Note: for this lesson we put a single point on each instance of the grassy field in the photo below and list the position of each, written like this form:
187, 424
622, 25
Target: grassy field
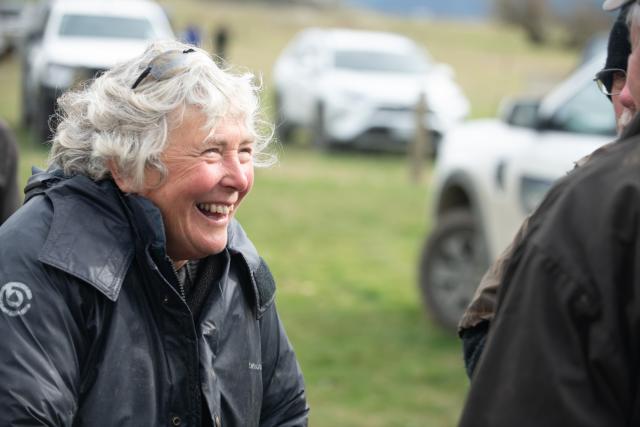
342, 232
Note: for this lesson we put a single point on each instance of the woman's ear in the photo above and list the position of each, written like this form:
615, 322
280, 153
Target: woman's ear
122, 182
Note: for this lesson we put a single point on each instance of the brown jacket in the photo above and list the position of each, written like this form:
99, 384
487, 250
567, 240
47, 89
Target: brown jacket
483, 305
564, 346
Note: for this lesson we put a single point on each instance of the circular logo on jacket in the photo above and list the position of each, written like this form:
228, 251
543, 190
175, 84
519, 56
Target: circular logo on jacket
15, 298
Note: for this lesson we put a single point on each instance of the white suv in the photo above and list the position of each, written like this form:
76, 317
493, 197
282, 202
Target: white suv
361, 88
72, 40
490, 174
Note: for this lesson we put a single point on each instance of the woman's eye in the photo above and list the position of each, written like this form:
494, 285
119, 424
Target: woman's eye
211, 152
246, 153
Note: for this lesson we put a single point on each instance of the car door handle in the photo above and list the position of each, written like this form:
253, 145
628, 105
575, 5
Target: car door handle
499, 174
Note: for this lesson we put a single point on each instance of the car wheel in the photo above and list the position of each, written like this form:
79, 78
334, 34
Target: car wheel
42, 120
284, 128
319, 136
26, 103
453, 261
26, 117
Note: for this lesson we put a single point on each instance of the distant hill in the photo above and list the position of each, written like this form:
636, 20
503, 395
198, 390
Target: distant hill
464, 9
477, 9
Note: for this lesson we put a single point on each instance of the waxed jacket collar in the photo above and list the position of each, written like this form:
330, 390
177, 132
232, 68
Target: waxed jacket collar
262, 282
94, 225
89, 237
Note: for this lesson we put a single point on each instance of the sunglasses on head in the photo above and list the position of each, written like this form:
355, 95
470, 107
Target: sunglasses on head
165, 65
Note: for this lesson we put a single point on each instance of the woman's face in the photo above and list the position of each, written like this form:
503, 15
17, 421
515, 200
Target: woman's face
209, 173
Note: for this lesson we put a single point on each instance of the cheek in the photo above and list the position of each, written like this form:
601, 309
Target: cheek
617, 106
197, 178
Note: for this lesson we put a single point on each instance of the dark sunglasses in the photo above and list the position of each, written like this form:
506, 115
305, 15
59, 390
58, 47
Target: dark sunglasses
165, 65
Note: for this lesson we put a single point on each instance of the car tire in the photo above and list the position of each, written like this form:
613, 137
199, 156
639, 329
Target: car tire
319, 137
26, 116
284, 129
453, 261
26, 104
43, 123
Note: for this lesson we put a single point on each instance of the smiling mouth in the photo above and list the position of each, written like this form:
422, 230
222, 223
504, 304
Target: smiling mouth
214, 208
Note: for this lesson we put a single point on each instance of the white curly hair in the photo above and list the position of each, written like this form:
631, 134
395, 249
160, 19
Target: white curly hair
106, 123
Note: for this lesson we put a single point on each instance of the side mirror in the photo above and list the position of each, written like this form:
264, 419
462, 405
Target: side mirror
33, 36
521, 113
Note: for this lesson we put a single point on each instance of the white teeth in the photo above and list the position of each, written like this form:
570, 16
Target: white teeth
215, 208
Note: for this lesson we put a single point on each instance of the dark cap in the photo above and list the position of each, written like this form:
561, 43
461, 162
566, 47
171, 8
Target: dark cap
618, 47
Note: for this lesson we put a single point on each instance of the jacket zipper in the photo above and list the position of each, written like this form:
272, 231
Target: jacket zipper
180, 284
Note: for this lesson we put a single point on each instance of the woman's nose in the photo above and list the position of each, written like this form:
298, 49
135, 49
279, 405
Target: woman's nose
236, 173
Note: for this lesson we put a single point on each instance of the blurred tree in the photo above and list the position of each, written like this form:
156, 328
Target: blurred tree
583, 24
573, 24
318, 3
528, 14
535, 14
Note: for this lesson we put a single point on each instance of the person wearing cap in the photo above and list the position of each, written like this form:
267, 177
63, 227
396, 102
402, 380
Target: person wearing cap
476, 320
564, 345
129, 294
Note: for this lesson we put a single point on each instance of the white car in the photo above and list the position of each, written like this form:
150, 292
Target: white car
10, 24
361, 88
72, 40
490, 174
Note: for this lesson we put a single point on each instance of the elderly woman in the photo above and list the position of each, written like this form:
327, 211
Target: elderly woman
129, 295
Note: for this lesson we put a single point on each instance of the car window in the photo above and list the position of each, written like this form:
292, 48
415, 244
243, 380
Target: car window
9, 12
105, 26
586, 112
380, 61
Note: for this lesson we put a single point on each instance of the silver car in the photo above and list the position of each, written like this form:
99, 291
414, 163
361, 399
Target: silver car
492, 173
69, 41
361, 88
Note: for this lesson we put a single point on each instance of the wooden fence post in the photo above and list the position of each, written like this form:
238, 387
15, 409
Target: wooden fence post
420, 147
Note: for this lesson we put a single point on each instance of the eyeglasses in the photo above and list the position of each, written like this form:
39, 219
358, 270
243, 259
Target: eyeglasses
611, 81
165, 65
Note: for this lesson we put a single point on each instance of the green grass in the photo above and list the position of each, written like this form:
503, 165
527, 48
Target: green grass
342, 232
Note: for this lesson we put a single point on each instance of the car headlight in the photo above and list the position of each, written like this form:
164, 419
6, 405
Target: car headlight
59, 76
343, 104
532, 191
345, 99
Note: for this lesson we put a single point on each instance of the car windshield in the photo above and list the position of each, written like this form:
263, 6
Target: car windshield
587, 112
380, 61
105, 27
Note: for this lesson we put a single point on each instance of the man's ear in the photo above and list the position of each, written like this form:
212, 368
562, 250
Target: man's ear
122, 182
